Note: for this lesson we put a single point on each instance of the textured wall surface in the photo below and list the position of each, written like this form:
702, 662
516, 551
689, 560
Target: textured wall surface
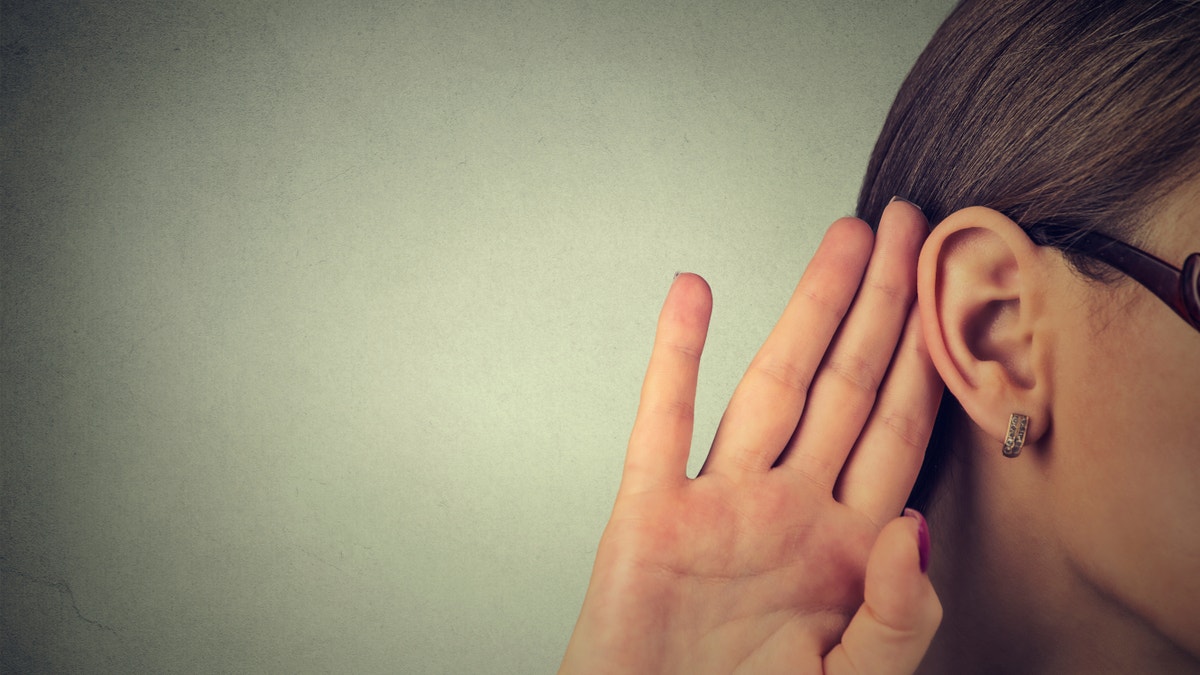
324, 323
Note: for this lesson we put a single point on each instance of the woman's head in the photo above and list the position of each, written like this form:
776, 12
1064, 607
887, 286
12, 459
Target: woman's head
1077, 114
1022, 121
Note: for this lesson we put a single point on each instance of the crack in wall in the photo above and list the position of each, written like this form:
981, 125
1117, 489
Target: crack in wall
64, 589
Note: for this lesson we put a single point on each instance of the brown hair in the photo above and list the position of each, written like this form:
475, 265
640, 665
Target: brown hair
1058, 113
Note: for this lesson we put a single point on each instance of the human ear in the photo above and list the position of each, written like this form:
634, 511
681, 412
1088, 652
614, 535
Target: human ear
980, 291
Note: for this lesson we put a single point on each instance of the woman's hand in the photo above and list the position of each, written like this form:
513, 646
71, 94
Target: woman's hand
786, 553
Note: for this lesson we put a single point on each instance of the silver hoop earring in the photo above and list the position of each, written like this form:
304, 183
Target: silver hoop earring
1015, 440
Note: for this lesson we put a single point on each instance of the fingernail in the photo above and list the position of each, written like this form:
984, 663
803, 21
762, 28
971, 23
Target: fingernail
898, 198
922, 537
676, 275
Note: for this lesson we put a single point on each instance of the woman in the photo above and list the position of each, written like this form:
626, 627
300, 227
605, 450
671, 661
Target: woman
1062, 471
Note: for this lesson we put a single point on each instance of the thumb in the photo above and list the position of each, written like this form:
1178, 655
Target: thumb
900, 613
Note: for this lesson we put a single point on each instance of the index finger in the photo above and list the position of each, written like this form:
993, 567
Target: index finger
662, 432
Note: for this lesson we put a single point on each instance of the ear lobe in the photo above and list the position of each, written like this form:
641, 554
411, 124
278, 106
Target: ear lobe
980, 303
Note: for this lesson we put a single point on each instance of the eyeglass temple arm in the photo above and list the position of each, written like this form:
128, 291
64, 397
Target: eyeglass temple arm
1162, 278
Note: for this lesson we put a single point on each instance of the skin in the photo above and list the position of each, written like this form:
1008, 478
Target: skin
785, 554
1079, 556
1082, 554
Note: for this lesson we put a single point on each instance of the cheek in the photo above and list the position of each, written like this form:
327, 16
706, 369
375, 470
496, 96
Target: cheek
1127, 466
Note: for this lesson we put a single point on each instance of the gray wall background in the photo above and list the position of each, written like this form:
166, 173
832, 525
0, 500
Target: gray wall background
324, 323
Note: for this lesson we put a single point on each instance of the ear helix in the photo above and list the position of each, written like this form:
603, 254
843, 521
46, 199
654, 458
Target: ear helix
1015, 440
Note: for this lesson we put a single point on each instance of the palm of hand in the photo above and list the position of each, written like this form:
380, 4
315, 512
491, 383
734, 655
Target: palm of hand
738, 575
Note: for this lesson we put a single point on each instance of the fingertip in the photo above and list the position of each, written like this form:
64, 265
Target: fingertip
849, 227
896, 570
913, 547
847, 244
690, 296
689, 279
922, 537
900, 211
898, 198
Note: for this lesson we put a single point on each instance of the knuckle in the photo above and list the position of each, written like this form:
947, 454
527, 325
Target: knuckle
750, 460
690, 352
814, 470
826, 303
856, 371
912, 346
892, 292
785, 373
676, 409
907, 429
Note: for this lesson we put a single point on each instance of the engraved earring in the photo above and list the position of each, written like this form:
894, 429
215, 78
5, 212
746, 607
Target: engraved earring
1017, 424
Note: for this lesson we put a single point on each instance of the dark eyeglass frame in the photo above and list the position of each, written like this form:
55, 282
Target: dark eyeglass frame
1178, 288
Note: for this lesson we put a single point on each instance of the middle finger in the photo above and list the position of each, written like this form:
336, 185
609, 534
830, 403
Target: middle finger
766, 404
846, 384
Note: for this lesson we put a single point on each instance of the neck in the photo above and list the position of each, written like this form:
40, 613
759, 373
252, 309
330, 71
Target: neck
1014, 600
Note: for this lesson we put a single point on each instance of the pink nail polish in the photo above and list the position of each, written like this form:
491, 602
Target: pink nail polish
922, 537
